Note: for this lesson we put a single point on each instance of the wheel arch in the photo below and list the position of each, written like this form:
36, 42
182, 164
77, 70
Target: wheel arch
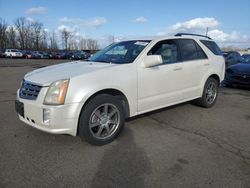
109, 91
211, 75
216, 77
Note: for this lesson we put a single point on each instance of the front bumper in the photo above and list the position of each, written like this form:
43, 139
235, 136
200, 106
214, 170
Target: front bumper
63, 119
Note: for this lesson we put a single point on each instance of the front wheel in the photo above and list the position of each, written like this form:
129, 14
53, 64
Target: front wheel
101, 120
210, 93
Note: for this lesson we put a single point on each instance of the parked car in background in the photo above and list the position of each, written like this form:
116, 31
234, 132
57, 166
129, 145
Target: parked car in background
246, 57
78, 55
92, 98
238, 75
26, 54
52, 55
13, 53
85, 55
61, 55
69, 55
2, 54
30, 55
44, 55
232, 58
39, 54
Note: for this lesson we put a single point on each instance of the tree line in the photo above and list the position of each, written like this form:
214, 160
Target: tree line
31, 35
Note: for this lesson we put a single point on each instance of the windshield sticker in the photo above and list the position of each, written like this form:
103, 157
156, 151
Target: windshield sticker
141, 43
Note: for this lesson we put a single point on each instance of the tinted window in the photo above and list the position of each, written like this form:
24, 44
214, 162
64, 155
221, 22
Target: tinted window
200, 53
233, 58
212, 46
190, 50
167, 49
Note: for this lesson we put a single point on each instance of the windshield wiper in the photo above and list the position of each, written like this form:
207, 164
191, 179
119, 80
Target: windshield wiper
103, 61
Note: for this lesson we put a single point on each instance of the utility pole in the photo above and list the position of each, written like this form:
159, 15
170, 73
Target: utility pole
206, 31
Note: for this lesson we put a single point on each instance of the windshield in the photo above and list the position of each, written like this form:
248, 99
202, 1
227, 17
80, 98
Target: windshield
246, 58
120, 53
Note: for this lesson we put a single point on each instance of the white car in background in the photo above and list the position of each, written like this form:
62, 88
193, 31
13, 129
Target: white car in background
13, 53
93, 98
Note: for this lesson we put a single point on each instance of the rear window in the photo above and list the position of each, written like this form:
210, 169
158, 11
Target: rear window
212, 46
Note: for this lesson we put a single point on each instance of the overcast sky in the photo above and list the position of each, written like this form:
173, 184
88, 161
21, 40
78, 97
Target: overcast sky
227, 21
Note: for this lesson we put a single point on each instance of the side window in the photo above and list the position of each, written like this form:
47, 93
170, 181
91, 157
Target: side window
212, 46
167, 49
201, 54
137, 50
190, 50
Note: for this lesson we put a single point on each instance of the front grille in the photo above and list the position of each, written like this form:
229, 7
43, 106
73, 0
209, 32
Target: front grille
29, 90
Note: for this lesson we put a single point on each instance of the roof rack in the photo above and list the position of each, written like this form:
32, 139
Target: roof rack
180, 34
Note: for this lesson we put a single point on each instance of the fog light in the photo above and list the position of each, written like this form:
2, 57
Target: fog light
46, 116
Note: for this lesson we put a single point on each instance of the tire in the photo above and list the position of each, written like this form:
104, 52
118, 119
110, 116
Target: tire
210, 93
101, 120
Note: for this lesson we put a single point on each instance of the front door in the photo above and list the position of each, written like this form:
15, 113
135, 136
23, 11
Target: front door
160, 85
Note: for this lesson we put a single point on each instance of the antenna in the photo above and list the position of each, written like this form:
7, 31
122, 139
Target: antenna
206, 31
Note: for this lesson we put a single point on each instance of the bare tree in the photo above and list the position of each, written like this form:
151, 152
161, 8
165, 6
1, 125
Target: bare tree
44, 43
83, 44
37, 32
88, 44
74, 42
3, 37
65, 38
29, 36
92, 44
11, 35
25, 34
21, 24
53, 41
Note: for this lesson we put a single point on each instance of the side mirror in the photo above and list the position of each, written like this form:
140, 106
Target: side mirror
152, 60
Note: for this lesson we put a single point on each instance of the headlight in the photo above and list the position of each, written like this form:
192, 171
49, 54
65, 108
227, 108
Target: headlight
21, 84
56, 93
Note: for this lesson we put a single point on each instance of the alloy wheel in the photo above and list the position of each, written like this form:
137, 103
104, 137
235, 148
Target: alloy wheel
104, 121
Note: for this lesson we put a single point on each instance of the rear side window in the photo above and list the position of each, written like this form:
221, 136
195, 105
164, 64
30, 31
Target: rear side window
200, 53
212, 46
190, 50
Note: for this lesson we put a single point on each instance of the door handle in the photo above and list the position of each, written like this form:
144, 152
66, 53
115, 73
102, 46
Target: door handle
206, 64
177, 68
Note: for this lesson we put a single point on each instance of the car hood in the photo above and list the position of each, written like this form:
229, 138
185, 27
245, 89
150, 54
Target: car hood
45, 76
240, 68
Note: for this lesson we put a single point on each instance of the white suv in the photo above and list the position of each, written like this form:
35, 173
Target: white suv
13, 53
93, 98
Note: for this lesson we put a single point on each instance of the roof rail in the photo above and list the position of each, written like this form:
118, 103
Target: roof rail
180, 34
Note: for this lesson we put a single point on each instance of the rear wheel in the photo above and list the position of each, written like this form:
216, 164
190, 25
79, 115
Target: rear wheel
210, 93
101, 120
